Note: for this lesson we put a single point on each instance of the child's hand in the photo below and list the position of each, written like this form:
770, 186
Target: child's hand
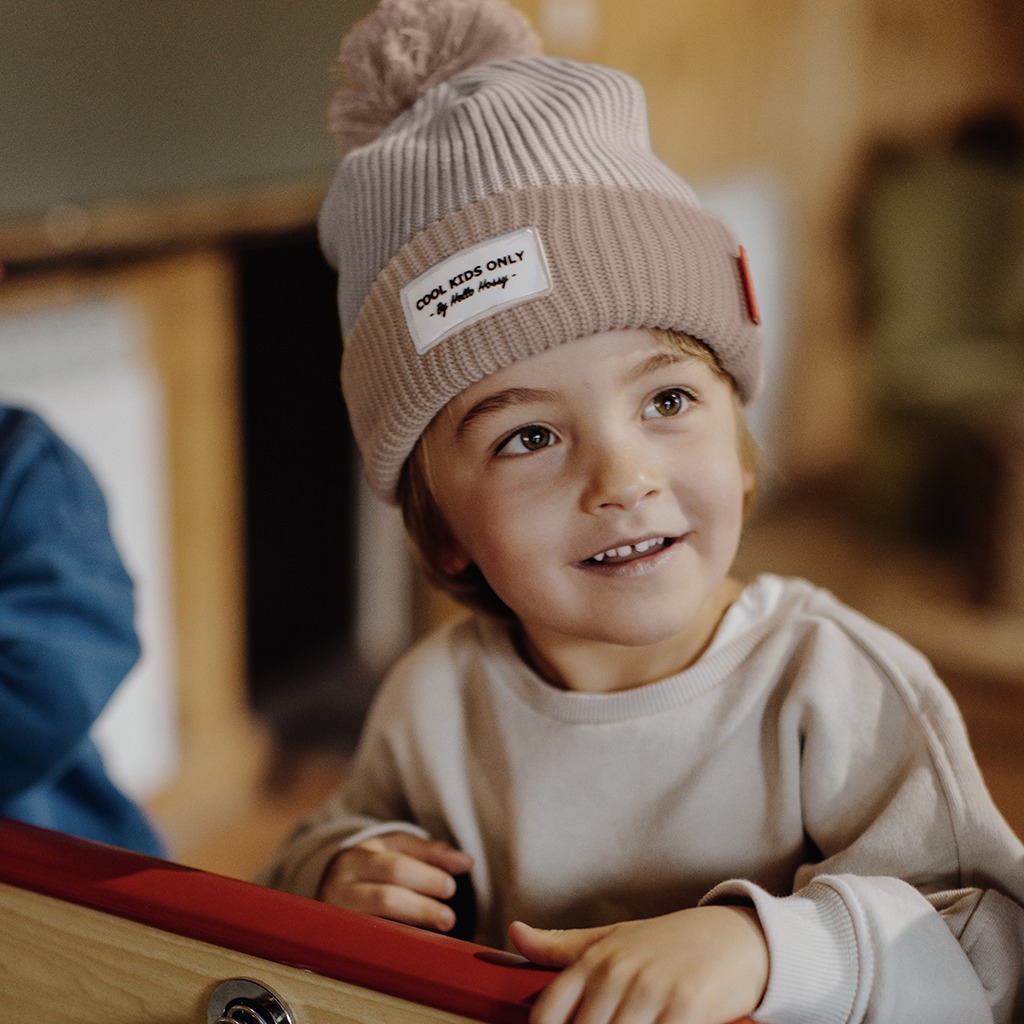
398, 876
708, 965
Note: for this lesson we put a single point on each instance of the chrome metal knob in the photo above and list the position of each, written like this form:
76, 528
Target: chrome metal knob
244, 1001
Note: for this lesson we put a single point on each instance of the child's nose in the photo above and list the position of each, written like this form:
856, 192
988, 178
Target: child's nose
621, 475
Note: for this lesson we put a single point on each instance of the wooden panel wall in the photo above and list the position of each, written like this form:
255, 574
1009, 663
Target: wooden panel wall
186, 303
802, 90
189, 304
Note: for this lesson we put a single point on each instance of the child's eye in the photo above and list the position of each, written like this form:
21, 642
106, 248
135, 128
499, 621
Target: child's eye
526, 440
670, 402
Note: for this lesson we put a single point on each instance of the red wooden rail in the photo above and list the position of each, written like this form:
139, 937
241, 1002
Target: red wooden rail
433, 970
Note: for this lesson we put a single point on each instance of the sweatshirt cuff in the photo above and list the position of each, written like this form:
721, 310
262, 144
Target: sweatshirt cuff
816, 963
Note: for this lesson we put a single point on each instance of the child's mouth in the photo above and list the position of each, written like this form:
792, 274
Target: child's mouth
629, 552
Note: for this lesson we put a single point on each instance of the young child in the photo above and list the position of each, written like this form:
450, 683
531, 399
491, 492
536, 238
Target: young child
699, 798
67, 639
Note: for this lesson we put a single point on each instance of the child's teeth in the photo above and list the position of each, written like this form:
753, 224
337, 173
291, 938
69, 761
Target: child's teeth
624, 552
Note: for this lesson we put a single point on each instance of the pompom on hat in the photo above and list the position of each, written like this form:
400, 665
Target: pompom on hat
491, 203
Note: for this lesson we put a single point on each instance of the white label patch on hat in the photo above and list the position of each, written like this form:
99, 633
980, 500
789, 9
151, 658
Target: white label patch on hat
474, 283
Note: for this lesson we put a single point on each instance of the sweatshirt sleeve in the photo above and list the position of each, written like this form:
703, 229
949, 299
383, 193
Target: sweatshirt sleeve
67, 635
913, 910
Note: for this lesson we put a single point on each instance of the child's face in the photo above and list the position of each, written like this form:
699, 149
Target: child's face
598, 487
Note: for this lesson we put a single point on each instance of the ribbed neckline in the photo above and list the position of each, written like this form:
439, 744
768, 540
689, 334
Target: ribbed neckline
654, 698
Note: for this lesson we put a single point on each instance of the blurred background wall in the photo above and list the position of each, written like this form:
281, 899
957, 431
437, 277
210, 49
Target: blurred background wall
166, 160
107, 99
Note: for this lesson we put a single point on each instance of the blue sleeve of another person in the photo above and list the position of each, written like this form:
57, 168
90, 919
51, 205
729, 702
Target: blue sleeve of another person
67, 639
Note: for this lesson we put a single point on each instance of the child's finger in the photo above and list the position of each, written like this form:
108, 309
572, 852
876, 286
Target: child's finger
378, 864
399, 876
619, 992
572, 996
431, 851
397, 903
559, 1001
554, 947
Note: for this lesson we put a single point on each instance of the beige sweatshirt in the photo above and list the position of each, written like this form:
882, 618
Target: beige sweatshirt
810, 763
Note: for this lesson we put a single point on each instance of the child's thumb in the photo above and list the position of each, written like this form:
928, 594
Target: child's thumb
553, 947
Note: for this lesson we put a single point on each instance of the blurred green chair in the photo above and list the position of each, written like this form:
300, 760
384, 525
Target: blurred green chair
941, 237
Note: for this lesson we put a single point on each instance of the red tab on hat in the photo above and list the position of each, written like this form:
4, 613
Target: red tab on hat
748, 287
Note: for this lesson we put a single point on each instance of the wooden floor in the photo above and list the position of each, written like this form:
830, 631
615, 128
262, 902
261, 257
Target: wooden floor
996, 728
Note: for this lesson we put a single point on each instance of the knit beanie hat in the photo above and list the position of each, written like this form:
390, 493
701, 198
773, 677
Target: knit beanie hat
491, 203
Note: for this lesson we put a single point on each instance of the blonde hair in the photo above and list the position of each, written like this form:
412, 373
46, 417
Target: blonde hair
434, 543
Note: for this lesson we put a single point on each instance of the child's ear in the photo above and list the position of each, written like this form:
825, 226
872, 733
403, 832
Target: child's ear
454, 560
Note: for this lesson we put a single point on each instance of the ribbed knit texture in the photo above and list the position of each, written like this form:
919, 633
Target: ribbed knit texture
534, 142
682, 277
